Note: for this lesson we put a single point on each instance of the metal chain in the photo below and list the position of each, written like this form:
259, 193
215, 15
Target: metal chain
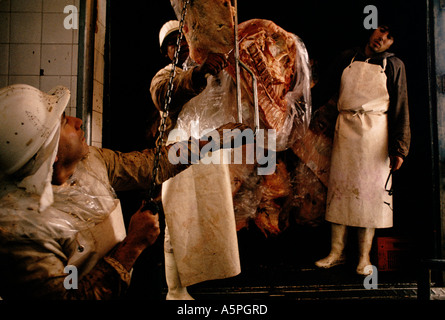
167, 102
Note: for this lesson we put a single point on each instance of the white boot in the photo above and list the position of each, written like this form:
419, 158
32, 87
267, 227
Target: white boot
365, 236
338, 241
175, 290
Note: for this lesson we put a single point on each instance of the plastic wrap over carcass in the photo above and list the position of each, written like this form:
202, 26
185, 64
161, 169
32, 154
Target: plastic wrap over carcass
246, 193
299, 100
213, 107
278, 59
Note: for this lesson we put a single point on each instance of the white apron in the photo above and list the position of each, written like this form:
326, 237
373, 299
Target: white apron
201, 223
198, 202
360, 162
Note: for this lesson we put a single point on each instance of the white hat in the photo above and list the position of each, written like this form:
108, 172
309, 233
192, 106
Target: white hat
28, 118
167, 28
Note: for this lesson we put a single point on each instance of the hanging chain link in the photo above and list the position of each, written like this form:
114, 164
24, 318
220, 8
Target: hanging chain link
168, 97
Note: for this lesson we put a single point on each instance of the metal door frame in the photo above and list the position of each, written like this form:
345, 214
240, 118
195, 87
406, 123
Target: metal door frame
436, 85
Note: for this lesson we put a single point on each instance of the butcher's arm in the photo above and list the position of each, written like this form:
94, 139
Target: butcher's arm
134, 170
186, 84
185, 87
398, 111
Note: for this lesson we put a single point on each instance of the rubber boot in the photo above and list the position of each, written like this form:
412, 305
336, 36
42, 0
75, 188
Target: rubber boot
338, 241
365, 237
175, 290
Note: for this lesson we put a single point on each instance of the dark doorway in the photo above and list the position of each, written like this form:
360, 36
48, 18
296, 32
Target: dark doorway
327, 28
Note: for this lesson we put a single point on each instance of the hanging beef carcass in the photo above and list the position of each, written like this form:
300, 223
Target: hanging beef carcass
208, 26
280, 63
277, 58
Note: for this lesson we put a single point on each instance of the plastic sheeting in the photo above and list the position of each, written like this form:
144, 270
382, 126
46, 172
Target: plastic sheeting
84, 201
216, 105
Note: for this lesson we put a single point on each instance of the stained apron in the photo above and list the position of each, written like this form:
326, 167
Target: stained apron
201, 223
360, 162
198, 203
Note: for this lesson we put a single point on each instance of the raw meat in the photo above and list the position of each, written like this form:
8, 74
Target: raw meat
208, 26
258, 198
279, 61
315, 151
308, 197
246, 193
270, 52
274, 187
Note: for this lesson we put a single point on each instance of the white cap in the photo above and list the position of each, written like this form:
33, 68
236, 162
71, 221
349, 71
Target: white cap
167, 28
28, 117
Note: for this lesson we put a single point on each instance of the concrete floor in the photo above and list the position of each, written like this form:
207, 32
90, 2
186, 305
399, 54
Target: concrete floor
283, 268
284, 282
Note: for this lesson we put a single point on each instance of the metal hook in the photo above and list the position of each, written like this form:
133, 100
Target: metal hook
238, 64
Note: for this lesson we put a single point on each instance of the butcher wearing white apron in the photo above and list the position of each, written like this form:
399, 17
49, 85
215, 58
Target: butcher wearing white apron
357, 194
371, 140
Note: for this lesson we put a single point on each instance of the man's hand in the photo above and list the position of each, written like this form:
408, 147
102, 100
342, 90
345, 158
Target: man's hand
226, 136
144, 227
214, 63
142, 232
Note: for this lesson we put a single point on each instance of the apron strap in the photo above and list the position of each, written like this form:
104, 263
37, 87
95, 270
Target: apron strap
367, 60
353, 58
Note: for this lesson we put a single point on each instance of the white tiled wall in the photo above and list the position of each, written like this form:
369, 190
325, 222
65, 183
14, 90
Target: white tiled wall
98, 77
36, 49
